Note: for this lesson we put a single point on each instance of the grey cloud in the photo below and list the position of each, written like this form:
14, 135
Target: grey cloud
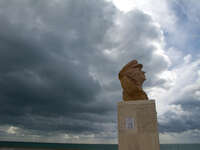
46, 48
133, 39
185, 119
48, 51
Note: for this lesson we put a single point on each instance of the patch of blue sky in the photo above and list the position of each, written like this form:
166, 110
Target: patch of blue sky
186, 36
180, 10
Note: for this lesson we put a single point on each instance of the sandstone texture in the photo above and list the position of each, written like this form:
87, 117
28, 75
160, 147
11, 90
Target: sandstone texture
137, 125
131, 78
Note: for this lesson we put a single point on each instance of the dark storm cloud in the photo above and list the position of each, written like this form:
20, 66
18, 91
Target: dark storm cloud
54, 72
45, 51
183, 116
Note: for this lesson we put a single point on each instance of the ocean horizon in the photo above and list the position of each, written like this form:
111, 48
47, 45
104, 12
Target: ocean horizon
12, 145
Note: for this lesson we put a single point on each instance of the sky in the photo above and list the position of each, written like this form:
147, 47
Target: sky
59, 64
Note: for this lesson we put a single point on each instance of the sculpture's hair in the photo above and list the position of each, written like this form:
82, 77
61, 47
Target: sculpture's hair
126, 68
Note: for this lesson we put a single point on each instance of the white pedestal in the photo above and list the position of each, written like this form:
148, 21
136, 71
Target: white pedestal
137, 125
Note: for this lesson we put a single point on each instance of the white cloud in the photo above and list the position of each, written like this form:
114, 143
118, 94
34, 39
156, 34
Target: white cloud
12, 130
186, 137
158, 10
182, 74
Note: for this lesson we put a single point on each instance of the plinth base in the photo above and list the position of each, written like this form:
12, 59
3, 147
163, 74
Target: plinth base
137, 125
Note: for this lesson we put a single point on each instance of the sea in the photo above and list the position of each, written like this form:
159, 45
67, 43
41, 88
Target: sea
5, 145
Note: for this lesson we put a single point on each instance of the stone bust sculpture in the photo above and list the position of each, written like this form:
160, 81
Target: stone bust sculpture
132, 77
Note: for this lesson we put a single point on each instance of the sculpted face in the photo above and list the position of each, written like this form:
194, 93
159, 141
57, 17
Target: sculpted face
137, 74
141, 76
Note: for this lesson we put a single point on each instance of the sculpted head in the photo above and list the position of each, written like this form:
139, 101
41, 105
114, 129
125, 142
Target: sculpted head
134, 71
132, 77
